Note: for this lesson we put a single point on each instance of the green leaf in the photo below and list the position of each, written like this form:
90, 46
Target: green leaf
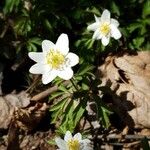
10, 5
63, 88
55, 95
145, 144
94, 10
103, 111
51, 142
59, 105
105, 118
84, 69
48, 25
134, 26
146, 9
115, 8
31, 47
138, 42
79, 110
55, 116
22, 25
35, 40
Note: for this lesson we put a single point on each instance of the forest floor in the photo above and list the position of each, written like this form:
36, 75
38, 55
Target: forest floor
25, 117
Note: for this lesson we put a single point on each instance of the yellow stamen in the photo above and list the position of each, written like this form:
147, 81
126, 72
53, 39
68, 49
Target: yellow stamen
73, 144
55, 59
105, 28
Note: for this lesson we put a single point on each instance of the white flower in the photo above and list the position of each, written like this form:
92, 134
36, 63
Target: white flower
105, 27
55, 60
73, 142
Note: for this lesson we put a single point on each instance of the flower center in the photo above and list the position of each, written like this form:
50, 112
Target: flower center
105, 28
55, 59
73, 144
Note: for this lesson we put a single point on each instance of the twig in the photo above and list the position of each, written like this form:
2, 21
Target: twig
114, 136
47, 92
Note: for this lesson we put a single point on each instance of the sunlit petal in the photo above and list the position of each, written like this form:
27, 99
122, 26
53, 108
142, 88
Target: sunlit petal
105, 16
73, 59
93, 26
105, 40
37, 56
68, 136
78, 137
115, 33
97, 19
114, 22
66, 74
49, 76
39, 68
47, 45
61, 143
62, 44
96, 34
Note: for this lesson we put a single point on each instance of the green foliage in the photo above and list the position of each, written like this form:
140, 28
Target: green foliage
145, 144
70, 101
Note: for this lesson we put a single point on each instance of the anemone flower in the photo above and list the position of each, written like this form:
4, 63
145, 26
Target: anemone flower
55, 60
104, 28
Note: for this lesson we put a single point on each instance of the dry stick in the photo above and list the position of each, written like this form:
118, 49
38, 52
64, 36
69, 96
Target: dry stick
47, 92
138, 137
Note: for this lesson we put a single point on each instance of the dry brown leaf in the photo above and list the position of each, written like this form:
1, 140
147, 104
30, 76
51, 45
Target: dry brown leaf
8, 104
128, 76
27, 119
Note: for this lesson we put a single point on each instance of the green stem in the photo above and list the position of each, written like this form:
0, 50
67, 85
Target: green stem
73, 83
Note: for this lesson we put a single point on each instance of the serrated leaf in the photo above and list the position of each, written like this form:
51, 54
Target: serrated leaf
105, 117
94, 10
85, 68
48, 25
115, 8
138, 42
63, 88
59, 105
55, 115
54, 95
79, 110
10, 5
51, 142
134, 26
35, 40
146, 9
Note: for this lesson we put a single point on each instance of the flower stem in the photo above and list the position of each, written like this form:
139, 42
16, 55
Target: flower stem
73, 83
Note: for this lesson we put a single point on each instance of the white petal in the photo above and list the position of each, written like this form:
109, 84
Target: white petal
61, 144
114, 22
96, 35
62, 43
37, 56
47, 45
86, 144
105, 40
78, 136
85, 141
93, 26
105, 16
97, 19
73, 59
66, 74
39, 69
68, 136
115, 33
47, 77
